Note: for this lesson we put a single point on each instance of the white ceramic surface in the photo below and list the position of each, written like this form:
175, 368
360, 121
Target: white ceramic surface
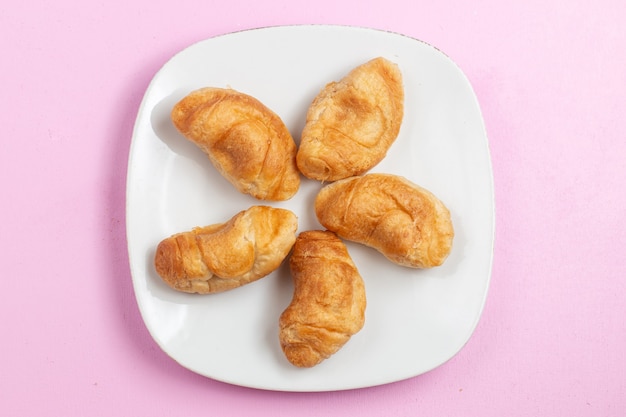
415, 319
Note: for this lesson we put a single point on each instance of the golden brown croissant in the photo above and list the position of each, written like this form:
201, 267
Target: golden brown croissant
247, 142
352, 123
328, 305
224, 256
403, 221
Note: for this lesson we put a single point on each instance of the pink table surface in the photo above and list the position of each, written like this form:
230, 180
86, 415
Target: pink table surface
551, 81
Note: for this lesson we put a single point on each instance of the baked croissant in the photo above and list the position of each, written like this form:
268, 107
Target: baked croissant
247, 142
403, 221
220, 257
352, 123
328, 305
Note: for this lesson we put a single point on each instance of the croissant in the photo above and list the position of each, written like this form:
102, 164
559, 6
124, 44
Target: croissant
328, 304
403, 221
246, 141
352, 123
223, 256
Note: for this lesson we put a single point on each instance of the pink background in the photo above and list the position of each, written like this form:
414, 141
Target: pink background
551, 80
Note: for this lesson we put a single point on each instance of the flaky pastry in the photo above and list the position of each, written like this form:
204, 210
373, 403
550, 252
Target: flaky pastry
352, 123
246, 141
223, 256
403, 221
328, 305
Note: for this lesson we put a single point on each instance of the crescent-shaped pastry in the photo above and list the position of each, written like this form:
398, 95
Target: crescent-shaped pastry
246, 141
328, 305
403, 221
352, 123
220, 257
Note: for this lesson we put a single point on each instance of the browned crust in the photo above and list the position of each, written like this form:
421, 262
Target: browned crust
246, 141
405, 222
220, 257
328, 304
352, 123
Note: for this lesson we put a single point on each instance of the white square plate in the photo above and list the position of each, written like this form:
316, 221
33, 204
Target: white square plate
415, 319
